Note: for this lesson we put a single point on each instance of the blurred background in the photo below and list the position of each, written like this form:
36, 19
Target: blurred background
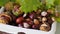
58, 28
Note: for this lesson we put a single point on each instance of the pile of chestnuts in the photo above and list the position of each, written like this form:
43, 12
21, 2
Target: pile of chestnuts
40, 20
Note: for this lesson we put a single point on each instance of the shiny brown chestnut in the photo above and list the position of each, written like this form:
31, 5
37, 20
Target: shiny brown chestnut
50, 21
21, 33
28, 19
19, 20
30, 23
35, 26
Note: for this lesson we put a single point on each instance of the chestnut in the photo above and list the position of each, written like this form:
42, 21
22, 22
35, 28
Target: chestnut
39, 18
44, 19
44, 13
50, 11
50, 20
28, 19
36, 21
26, 25
38, 11
30, 23
45, 27
21, 33
19, 20
32, 15
35, 26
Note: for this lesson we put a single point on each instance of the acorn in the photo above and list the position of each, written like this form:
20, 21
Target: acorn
44, 13
36, 21
45, 27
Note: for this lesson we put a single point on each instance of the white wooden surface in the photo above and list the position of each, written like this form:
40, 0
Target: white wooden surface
15, 30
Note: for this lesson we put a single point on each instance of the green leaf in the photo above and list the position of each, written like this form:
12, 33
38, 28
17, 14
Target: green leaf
12, 0
57, 2
2, 2
58, 19
49, 3
29, 5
